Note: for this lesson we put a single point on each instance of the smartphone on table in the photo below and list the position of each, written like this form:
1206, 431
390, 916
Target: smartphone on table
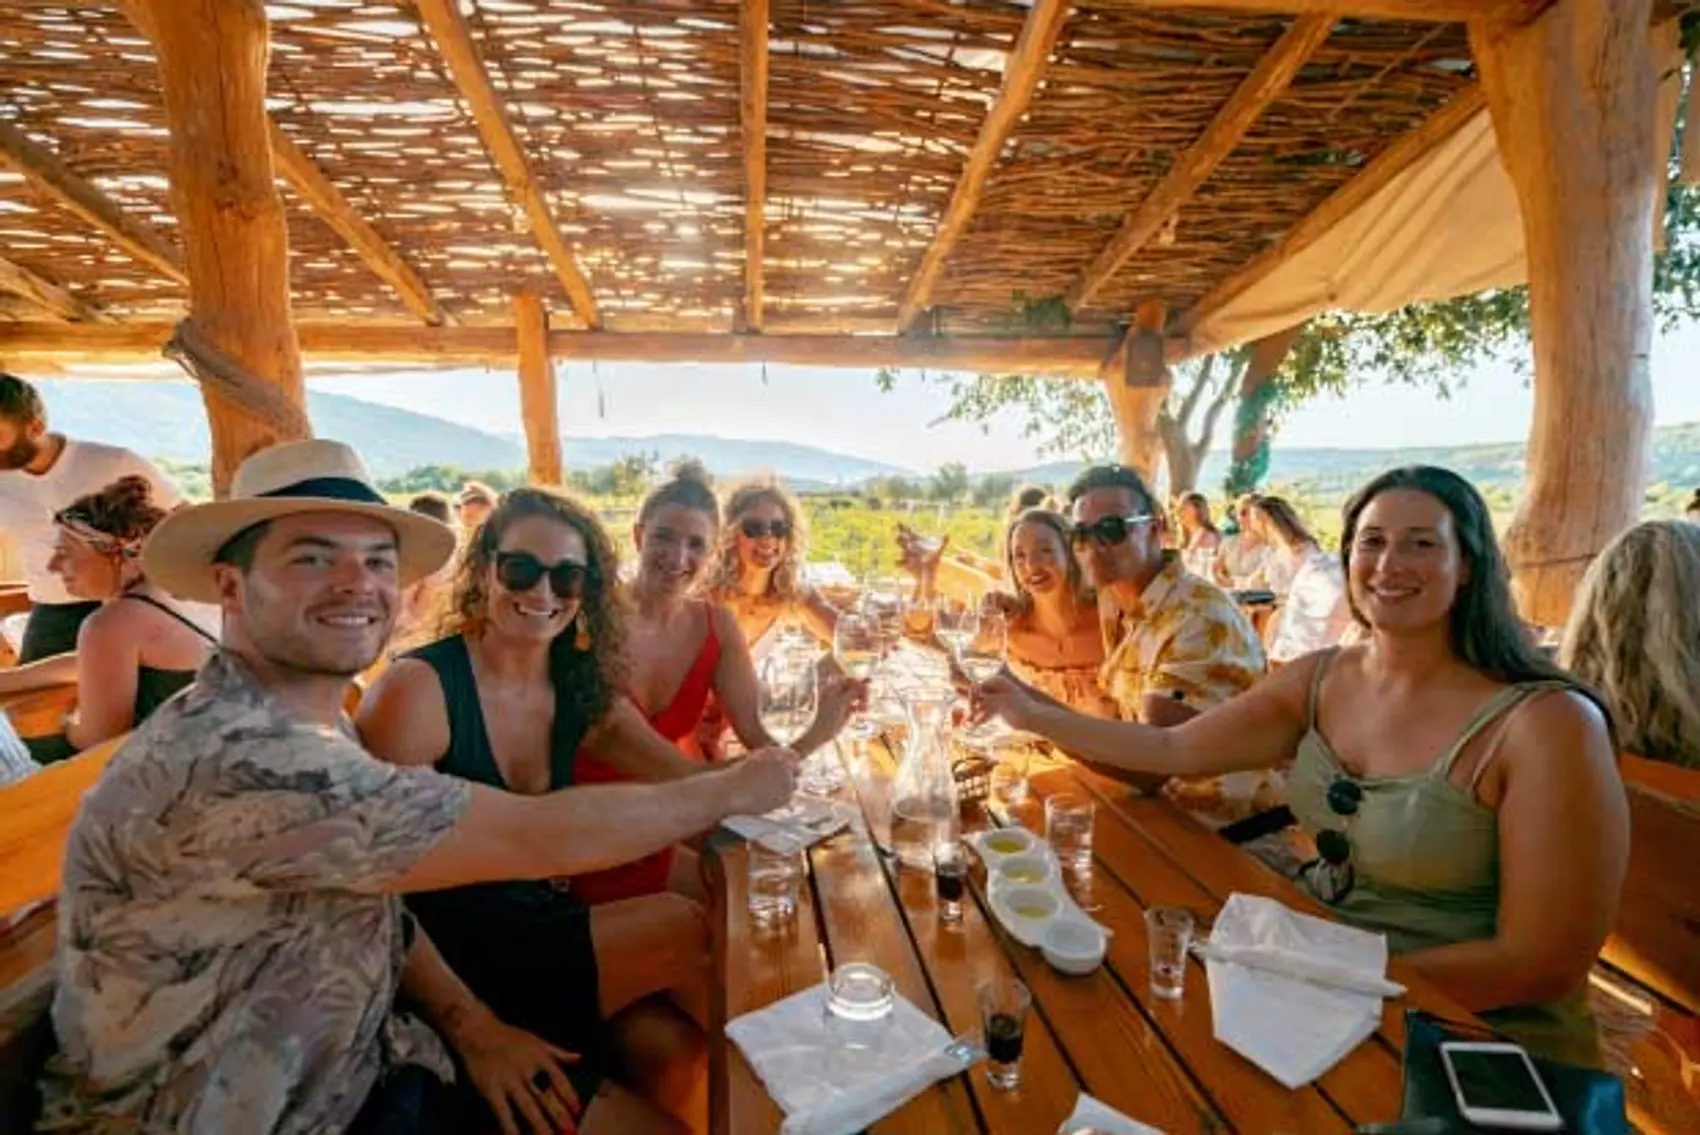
1496, 1085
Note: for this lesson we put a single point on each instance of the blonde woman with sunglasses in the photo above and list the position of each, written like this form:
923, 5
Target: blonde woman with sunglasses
757, 572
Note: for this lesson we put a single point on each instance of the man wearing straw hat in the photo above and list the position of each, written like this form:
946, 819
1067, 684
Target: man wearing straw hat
232, 937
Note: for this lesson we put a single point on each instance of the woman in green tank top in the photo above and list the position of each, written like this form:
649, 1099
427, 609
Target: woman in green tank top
1462, 791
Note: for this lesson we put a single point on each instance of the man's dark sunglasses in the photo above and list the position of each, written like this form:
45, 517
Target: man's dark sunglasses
756, 529
1108, 531
520, 571
1333, 875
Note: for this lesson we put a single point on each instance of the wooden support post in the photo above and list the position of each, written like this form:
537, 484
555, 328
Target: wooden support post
537, 390
1572, 98
1137, 389
212, 63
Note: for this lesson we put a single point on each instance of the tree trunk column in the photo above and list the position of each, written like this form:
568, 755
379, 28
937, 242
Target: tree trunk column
212, 62
537, 390
1572, 99
1137, 388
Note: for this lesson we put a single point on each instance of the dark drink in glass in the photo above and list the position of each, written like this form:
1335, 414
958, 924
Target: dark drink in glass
1003, 1013
950, 868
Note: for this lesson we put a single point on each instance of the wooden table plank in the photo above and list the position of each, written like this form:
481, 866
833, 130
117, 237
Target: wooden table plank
958, 959
1199, 854
1365, 1086
758, 969
862, 923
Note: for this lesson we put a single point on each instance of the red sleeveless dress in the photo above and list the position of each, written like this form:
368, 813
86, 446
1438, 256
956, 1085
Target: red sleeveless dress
677, 721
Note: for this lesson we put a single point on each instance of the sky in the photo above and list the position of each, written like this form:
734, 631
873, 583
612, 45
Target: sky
843, 411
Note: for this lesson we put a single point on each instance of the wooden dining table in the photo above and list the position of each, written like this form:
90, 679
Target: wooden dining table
1105, 1034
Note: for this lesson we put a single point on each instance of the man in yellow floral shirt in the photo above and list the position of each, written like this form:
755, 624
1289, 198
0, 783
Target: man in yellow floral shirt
1174, 644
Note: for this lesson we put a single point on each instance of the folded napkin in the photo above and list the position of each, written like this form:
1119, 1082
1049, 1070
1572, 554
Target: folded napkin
1101, 1119
834, 1077
802, 823
1310, 994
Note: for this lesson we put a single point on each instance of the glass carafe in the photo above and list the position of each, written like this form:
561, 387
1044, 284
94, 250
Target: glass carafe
923, 795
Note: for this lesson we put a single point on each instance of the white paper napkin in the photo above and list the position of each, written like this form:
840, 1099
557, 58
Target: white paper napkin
805, 822
834, 1077
1100, 1117
1293, 1028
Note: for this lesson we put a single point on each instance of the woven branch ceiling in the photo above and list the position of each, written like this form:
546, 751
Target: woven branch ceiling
629, 113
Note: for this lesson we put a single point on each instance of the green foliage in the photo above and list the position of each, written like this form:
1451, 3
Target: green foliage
864, 539
950, 484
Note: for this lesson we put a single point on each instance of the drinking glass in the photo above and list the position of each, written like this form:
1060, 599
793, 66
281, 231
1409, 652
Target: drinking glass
1068, 828
950, 868
1004, 1002
856, 646
882, 602
776, 876
982, 656
787, 703
955, 623
1008, 782
1168, 930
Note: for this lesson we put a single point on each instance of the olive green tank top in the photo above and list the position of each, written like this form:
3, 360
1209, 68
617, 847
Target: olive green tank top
1425, 860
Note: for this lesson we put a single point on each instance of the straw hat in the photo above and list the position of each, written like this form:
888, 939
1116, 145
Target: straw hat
283, 480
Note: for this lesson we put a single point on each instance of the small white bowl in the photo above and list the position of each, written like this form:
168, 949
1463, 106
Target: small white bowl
1074, 946
1009, 841
1030, 906
1024, 871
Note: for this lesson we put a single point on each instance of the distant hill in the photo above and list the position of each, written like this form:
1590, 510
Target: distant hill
1327, 474
166, 420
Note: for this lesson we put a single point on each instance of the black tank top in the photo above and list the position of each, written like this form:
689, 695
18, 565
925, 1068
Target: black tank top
469, 755
154, 685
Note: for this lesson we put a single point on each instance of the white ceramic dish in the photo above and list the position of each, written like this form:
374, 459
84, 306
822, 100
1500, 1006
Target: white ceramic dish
1024, 870
1025, 911
1007, 842
1074, 945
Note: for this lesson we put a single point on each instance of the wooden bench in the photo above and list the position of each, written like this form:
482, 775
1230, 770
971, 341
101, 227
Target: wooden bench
1657, 939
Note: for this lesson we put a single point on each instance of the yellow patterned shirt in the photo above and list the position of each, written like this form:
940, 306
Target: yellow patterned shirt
1186, 638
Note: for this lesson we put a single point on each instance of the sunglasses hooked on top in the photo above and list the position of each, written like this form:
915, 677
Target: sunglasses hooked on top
521, 571
1108, 531
756, 529
1331, 872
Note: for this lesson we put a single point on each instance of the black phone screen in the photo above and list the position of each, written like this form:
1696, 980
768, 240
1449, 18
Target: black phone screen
1498, 1081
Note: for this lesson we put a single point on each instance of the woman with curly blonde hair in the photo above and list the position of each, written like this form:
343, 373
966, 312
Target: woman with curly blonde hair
1634, 636
533, 667
758, 569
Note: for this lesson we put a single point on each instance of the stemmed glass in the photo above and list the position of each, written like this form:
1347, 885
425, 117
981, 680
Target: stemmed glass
983, 649
790, 698
856, 646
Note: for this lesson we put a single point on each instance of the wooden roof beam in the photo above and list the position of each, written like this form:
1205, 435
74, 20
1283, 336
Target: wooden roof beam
1067, 357
1193, 167
330, 206
42, 168
752, 122
44, 294
1404, 153
1429, 11
1022, 72
442, 19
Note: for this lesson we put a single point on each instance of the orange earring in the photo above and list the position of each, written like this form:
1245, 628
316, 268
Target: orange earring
581, 641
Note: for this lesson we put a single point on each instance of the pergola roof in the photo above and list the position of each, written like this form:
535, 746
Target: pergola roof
1032, 151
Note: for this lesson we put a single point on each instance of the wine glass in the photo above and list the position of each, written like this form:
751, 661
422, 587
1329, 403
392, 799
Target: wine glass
955, 623
787, 695
884, 605
981, 657
856, 646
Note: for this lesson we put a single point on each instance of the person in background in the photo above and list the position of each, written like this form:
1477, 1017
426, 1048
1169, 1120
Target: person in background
1198, 530
424, 605
473, 506
1028, 497
234, 877
757, 568
1634, 635
139, 647
1055, 641
1692, 512
684, 650
1315, 612
40, 473
1462, 791
1240, 556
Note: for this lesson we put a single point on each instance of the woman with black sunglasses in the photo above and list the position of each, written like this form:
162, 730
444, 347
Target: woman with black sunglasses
534, 667
1462, 790
758, 568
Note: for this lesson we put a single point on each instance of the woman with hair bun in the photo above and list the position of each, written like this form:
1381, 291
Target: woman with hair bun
684, 651
140, 647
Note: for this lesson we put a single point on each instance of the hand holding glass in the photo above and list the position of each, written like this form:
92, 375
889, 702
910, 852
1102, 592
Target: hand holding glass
856, 646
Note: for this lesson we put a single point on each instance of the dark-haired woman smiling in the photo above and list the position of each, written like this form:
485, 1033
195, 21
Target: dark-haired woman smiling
1463, 791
